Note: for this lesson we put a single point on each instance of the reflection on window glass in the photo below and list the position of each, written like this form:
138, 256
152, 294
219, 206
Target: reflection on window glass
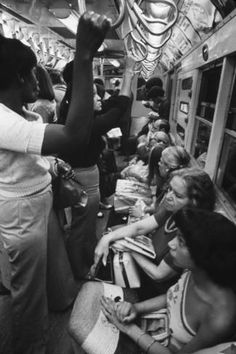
201, 146
208, 93
228, 162
187, 83
231, 121
181, 132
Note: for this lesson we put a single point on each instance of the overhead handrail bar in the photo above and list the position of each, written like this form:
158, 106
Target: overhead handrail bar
145, 20
137, 49
81, 6
139, 44
121, 17
145, 38
119, 20
155, 58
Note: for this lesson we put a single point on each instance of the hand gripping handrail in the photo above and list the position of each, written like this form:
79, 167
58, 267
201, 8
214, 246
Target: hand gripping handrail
117, 23
146, 21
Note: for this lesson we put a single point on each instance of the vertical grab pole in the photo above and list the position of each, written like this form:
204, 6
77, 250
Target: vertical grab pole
81, 6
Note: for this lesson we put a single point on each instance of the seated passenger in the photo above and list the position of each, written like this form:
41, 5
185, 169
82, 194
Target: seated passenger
142, 134
140, 170
172, 158
187, 187
45, 104
59, 86
153, 125
201, 306
154, 138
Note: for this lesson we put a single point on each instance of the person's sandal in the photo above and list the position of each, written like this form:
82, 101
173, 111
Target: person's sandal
104, 206
100, 215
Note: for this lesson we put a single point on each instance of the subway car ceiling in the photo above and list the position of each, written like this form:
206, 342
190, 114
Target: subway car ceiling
158, 33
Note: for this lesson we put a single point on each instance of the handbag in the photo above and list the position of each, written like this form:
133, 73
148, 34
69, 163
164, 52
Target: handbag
103, 273
156, 324
67, 190
125, 270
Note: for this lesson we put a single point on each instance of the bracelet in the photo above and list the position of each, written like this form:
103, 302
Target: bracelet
137, 341
149, 346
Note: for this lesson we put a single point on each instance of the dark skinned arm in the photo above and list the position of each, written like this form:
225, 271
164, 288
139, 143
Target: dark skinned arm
76, 133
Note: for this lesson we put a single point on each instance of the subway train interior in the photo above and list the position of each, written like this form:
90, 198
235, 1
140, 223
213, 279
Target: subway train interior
191, 46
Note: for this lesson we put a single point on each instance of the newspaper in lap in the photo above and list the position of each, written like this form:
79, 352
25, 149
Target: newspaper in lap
128, 192
140, 244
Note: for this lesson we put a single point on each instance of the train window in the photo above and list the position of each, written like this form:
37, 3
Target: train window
181, 131
228, 164
208, 93
231, 120
226, 177
184, 107
187, 83
202, 142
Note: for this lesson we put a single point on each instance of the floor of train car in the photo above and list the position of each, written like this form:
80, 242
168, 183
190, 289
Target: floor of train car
59, 340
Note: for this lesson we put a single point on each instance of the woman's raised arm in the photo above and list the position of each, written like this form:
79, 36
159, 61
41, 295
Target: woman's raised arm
76, 133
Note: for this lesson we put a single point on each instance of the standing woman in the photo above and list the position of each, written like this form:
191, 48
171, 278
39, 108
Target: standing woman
25, 181
45, 104
82, 234
170, 159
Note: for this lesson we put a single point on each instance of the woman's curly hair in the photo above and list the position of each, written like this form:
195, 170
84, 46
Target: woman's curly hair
200, 188
211, 240
16, 60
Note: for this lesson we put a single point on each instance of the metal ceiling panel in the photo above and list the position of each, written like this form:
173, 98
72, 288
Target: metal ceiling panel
196, 19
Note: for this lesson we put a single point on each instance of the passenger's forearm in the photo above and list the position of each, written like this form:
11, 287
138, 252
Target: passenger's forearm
147, 266
141, 227
145, 341
81, 112
127, 83
151, 305
149, 209
158, 272
125, 231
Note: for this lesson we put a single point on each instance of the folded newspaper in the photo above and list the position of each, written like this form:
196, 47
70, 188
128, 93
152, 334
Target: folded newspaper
140, 244
114, 133
128, 192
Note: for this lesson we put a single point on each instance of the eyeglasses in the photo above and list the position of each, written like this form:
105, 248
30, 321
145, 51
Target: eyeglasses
159, 141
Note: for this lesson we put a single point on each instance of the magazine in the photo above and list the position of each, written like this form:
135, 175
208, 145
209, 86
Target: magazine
140, 244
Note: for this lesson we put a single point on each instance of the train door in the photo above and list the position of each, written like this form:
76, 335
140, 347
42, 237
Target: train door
210, 134
205, 101
183, 105
225, 172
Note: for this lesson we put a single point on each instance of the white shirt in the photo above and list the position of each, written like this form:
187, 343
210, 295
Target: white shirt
22, 170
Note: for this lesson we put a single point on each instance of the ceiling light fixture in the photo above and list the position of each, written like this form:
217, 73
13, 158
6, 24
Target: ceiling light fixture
114, 62
61, 9
71, 22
